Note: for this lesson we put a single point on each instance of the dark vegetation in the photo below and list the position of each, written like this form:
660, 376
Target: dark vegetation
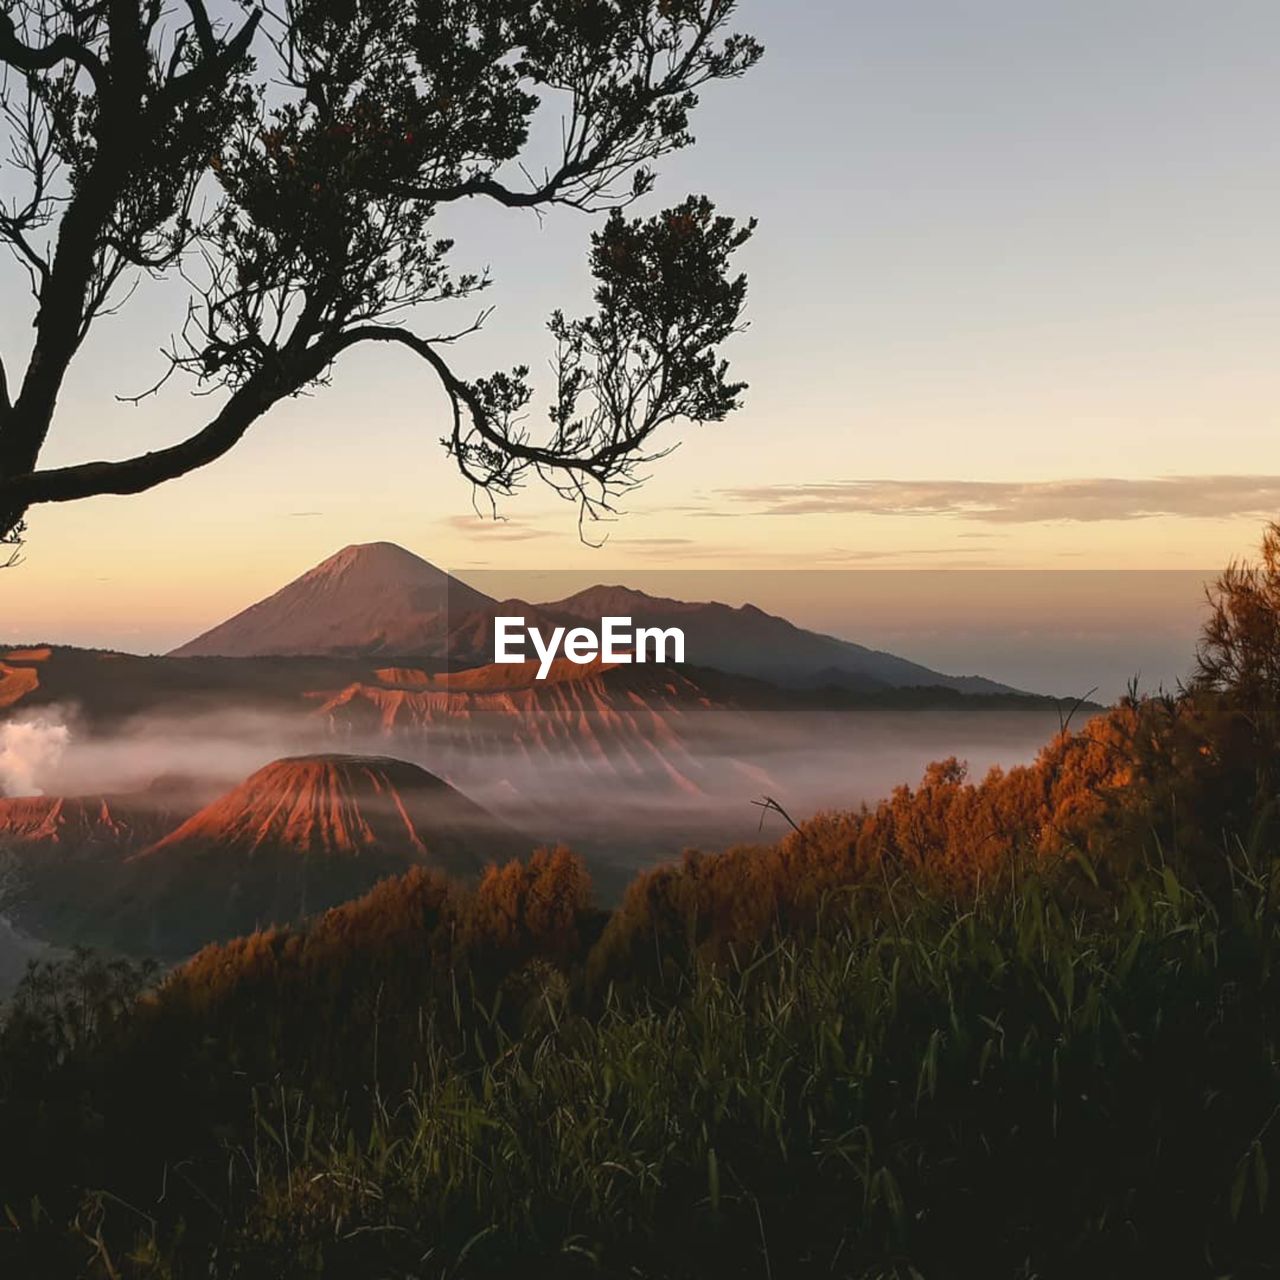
284, 168
1024, 1026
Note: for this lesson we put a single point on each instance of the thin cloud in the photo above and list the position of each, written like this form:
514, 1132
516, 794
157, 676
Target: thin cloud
653, 542
742, 556
1001, 502
495, 530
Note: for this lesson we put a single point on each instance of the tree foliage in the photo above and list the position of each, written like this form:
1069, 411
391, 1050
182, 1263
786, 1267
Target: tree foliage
289, 169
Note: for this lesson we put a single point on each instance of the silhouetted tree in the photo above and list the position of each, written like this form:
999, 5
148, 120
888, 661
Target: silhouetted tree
288, 168
1239, 652
1228, 743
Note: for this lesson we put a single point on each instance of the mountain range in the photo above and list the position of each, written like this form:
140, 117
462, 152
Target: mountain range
401, 743
379, 599
377, 651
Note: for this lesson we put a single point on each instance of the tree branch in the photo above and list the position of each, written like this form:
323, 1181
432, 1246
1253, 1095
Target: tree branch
74, 287
486, 185
63, 48
206, 74
251, 400
203, 27
464, 396
134, 475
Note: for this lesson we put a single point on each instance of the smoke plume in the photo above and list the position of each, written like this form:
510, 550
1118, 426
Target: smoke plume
29, 749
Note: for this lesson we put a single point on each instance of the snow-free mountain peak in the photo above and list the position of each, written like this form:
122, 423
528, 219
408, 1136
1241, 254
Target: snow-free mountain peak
374, 597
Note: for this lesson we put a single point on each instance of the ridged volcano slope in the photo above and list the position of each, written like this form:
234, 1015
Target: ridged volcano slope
297, 837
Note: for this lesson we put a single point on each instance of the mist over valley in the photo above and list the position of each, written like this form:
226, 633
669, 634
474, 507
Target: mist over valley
377, 655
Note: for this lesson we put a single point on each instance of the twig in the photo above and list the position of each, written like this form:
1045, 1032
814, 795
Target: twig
767, 804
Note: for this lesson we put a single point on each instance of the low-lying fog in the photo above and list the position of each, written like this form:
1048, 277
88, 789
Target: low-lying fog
623, 801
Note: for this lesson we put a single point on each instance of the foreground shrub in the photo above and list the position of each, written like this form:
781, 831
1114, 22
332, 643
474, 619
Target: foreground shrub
1006, 1086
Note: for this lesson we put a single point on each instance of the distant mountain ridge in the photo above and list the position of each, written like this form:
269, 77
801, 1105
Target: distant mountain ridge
379, 599
745, 640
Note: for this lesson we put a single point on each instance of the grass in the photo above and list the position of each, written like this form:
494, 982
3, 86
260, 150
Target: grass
1012, 1084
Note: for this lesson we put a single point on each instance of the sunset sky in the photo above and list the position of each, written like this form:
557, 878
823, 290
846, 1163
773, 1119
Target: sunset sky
1015, 302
